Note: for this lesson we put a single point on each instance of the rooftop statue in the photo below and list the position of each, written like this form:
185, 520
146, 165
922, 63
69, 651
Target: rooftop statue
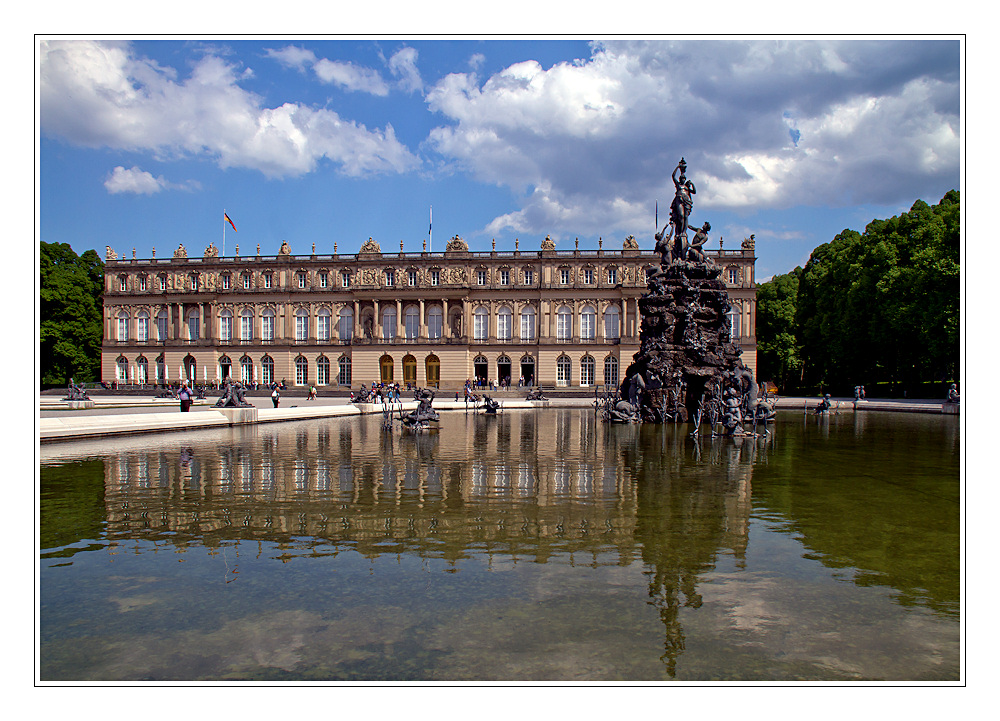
211, 251
370, 247
456, 245
548, 243
181, 252
285, 248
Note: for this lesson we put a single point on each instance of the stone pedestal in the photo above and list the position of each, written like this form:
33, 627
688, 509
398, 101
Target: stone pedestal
240, 416
80, 405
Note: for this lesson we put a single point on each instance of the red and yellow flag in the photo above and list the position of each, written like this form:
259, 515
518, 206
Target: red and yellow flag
229, 220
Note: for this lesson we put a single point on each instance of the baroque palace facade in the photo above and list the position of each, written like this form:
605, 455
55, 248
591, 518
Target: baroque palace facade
556, 318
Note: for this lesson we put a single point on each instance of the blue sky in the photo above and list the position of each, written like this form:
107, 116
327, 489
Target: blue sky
142, 144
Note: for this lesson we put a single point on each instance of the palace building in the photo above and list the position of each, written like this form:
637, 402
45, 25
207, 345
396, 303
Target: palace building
555, 318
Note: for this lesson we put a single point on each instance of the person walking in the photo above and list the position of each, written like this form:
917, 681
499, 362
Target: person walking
275, 397
185, 396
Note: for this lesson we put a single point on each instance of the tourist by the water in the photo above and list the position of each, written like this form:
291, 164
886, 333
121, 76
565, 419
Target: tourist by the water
185, 397
275, 397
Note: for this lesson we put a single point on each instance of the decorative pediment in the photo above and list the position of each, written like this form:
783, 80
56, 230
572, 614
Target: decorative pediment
457, 245
370, 247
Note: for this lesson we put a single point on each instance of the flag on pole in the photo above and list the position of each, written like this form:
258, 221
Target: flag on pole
229, 220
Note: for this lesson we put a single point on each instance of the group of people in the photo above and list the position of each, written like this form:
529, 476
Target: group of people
379, 393
492, 384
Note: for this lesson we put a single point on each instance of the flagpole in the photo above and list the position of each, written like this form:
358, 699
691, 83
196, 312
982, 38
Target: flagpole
430, 229
223, 232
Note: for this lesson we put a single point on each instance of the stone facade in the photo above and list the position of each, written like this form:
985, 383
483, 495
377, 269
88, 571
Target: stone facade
560, 318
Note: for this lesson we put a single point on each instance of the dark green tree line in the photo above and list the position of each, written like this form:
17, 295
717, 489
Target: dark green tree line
70, 329
881, 306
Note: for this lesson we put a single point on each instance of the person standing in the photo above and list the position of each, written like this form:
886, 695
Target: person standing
185, 396
275, 397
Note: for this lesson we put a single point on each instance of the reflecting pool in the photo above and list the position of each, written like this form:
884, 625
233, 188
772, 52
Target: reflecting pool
533, 545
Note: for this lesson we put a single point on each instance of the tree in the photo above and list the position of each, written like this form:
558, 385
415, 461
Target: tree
778, 355
71, 332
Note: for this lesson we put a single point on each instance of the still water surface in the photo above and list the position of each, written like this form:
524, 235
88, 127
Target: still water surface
536, 545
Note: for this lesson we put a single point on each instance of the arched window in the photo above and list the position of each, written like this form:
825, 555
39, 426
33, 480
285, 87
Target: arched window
246, 369
411, 323
301, 371
346, 329
611, 370
563, 371
505, 318
142, 326
301, 324
389, 323
267, 370
267, 325
246, 325
226, 325
161, 324
344, 372
588, 323
323, 324
194, 325
564, 323
385, 369
432, 366
586, 371
121, 369
612, 323
161, 369
409, 369
481, 323
435, 321
122, 326
735, 316
141, 370
527, 323
323, 371
225, 368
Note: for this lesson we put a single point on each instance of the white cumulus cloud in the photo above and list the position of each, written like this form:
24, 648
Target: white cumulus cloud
133, 180
97, 94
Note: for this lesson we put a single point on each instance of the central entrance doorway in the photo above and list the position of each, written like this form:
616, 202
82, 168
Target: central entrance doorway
481, 368
503, 370
528, 370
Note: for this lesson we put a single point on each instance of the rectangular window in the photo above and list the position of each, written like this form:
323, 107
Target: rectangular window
390, 278
246, 327
161, 327
123, 329
481, 277
480, 326
225, 282
345, 279
413, 277
142, 329
246, 281
435, 277
588, 275
734, 276
163, 282
504, 277
301, 327
411, 322
226, 328
563, 326
346, 330
323, 374
529, 277
142, 282
268, 280
564, 276
527, 326
587, 323
322, 280
194, 327
323, 327
194, 282
613, 276
434, 325
302, 280
503, 326
267, 327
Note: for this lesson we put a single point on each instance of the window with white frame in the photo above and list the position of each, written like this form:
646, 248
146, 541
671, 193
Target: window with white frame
734, 275
163, 282
194, 325
527, 323
194, 281
323, 324
481, 277
246, 369
226, 325
345, 279
389, 323
435, 318
324, 280
612, 322
122, 282
246, 325
588, 322
390, 278
564, 276
267, 325
141, 369
346, 329
302, 279
734, 323
161, 324
122, 326
612, 276
267, 370
301, 324
563, 371
564, 323
225, 281
412, 277
142, 282
435, 277
411, 322
268, 280
505, 277
586, 371
301, 371
121, 370
529, 277
323, 371
344, 372
481, 323
588, 275
246, 281
142, 326
505, 318
611, 370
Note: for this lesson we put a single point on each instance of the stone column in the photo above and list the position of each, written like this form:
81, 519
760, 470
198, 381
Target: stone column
357, 319
446, 328
399, 318
377, 321
422, 332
